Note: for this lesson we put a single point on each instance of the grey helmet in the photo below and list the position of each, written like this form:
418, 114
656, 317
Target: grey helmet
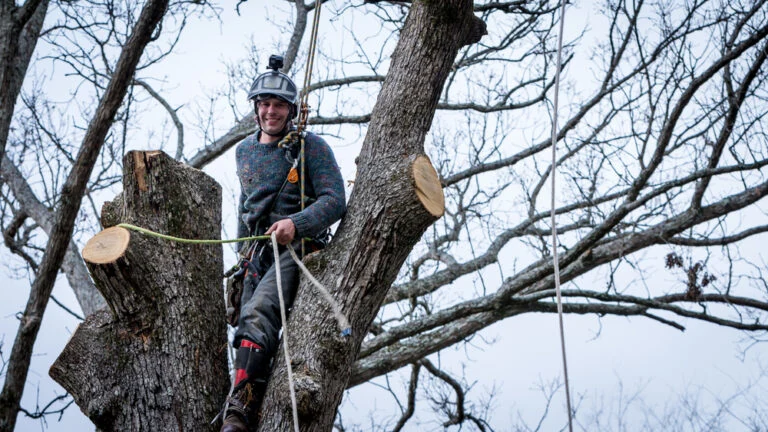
275, 84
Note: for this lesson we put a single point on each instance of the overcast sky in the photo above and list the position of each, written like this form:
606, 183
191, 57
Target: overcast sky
606, 356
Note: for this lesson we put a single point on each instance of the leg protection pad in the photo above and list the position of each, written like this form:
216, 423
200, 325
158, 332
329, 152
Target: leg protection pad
255, 362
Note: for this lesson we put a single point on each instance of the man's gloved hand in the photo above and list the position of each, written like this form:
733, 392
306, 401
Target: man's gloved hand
284, 231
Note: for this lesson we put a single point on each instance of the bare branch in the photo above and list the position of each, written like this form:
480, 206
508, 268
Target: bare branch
88, 296
42, 412
346, 81
299, 28
412, 387
171, 112
243, 128
454, 418
722, 241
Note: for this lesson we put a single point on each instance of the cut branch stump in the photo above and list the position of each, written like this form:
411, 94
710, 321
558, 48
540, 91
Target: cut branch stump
156, 360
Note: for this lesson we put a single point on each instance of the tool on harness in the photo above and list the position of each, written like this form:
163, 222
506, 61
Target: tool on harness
252, 268
235, 285
254, 262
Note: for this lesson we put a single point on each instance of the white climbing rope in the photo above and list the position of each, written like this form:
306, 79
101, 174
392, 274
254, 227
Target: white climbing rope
340, 318
285, 332
344, 326
555, 257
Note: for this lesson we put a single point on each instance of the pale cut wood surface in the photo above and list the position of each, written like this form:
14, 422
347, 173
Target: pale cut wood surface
428, 187
107, 246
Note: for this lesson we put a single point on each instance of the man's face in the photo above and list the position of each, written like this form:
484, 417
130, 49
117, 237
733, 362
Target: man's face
273, 114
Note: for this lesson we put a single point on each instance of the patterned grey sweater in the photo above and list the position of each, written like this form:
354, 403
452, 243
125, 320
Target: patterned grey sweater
262, 170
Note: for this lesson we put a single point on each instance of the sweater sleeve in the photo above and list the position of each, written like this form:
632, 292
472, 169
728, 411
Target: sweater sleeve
325, 176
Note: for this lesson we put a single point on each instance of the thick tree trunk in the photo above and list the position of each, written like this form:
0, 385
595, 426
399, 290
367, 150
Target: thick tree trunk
157, 359
388, 212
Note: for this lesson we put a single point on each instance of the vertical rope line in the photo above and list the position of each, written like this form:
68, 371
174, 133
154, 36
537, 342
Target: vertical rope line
553, 219
313, 46
310, 65
303, 106
285, 332
303, 177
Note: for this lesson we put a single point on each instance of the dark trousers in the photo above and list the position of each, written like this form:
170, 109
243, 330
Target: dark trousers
260, 319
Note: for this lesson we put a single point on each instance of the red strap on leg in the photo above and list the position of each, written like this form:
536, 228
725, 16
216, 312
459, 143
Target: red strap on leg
245, 343
241, 374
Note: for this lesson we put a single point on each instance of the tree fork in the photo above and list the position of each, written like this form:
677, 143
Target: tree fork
394, 201
157, 360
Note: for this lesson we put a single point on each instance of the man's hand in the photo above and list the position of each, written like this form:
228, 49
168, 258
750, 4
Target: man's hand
284, 231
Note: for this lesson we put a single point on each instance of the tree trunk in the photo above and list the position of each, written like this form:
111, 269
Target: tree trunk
391, 207
157, 359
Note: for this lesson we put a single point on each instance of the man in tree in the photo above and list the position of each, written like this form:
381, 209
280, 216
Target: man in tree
269, 169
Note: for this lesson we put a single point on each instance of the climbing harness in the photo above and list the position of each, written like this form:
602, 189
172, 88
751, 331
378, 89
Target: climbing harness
555, 258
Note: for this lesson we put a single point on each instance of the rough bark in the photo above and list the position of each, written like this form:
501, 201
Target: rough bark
385, 219
19, 30
157, 359
69, 205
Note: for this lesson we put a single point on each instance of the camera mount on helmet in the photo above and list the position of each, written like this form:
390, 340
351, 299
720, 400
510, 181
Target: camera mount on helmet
275, 84
275, 62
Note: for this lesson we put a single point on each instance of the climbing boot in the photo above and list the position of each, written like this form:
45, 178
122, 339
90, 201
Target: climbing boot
243, 407
251, 370
234, 422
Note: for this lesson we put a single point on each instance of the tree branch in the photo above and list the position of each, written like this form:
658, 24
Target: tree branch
172, 112
299, 28
458, 417
721, 241
413, 385
88, 297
